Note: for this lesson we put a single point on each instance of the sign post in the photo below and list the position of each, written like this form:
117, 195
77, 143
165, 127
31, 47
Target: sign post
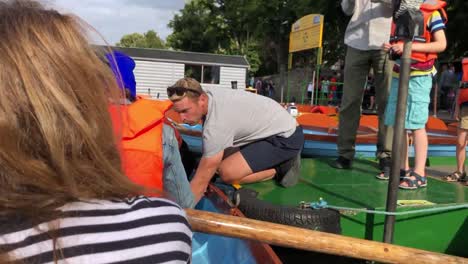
307, 33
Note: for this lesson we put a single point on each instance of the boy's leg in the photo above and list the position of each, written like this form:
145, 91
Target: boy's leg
175, 179
462, 137
405, 161
461, 149
420, 149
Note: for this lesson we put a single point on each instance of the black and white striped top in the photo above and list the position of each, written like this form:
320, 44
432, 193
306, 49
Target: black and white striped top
137, 230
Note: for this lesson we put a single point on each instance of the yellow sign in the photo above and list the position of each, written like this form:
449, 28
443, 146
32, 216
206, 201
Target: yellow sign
306, 33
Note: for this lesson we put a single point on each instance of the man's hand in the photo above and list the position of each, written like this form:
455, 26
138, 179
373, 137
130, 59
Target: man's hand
386, 47
397, 48
205, 171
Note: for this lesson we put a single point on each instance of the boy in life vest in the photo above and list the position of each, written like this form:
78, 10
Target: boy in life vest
150, 150
461, 114
426, 44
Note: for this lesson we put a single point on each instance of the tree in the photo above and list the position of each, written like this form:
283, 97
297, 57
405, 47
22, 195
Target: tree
197, 28
150, 39
258, 29
457, 44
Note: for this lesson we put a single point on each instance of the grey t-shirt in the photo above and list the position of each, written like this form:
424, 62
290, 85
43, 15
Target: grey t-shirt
236, 118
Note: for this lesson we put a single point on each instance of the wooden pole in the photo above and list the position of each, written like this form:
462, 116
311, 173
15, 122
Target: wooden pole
399, 141
305, 239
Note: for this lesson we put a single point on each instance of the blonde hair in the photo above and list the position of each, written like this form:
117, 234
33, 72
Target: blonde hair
57, 142
194, 89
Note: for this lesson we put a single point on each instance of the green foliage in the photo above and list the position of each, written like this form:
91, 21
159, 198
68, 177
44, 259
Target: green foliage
197, 28
259, 30
149, 39
457, 42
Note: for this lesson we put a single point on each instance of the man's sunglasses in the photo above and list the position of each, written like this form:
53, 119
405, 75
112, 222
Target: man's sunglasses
179, 91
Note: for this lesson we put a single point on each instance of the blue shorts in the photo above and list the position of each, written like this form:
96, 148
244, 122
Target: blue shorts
273, 152
417, 107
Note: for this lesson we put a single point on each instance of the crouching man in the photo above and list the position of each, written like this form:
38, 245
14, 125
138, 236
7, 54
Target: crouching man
246, 137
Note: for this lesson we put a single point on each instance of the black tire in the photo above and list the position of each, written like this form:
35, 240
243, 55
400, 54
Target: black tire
325, 220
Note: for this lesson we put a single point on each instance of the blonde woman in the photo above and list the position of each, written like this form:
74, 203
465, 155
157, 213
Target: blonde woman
63, 196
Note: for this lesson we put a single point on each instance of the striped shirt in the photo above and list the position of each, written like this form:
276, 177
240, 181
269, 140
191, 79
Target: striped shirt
136, 230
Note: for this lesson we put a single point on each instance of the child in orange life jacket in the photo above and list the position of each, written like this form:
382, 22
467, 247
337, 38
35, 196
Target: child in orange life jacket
461, 114
149, 148
424, 52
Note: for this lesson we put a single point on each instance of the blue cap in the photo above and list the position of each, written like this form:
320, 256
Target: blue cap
125, 65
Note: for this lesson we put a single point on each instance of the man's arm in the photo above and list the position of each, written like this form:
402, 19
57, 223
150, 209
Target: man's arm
348, 6
205, 171
386, 2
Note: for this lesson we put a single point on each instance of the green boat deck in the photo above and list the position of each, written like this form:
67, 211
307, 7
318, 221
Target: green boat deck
442, 231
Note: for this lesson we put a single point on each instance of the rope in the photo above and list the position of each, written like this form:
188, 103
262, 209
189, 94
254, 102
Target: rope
428, 210
323, 204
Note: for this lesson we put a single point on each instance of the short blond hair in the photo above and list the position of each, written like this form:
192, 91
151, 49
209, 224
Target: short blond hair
193, 87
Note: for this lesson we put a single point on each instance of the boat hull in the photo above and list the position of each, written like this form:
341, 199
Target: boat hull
209, 248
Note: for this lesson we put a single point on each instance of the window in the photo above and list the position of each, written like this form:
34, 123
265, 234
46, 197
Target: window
193, 71
211, 74
203, 73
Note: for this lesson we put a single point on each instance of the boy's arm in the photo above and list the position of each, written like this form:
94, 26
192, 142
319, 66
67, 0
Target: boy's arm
438, 44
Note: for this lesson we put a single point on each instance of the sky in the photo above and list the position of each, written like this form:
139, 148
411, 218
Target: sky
115, 18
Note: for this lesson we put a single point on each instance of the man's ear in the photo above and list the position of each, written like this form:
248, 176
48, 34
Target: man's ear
204, 98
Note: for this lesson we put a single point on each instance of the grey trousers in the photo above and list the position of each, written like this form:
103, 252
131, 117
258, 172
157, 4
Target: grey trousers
357, 66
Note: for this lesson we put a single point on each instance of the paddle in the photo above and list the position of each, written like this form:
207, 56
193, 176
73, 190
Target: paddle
293, 237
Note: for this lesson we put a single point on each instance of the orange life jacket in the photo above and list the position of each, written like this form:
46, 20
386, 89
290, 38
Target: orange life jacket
166, 121
463, 92
141, 125
427, 8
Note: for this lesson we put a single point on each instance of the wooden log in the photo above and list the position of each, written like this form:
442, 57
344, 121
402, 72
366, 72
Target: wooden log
305, 239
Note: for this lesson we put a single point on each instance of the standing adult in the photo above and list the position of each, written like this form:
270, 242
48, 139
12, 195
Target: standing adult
448, 83
259, 86
367, 30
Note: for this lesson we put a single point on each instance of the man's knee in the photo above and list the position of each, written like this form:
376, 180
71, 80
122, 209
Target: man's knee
229, 174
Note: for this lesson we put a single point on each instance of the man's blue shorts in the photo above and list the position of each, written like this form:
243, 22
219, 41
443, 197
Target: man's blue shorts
273, 152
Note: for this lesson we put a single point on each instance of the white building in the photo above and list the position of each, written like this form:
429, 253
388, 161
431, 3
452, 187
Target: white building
157, 69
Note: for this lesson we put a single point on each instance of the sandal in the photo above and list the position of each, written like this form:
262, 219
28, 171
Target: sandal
411, 184
384, 175
455, 176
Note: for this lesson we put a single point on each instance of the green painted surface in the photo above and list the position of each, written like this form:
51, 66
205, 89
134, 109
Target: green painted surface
358, 188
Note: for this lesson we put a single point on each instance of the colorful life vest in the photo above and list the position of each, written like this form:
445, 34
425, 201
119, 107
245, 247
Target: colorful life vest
463, 93
426, 60
141, 125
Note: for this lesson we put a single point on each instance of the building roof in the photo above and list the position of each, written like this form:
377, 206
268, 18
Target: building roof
185, 57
